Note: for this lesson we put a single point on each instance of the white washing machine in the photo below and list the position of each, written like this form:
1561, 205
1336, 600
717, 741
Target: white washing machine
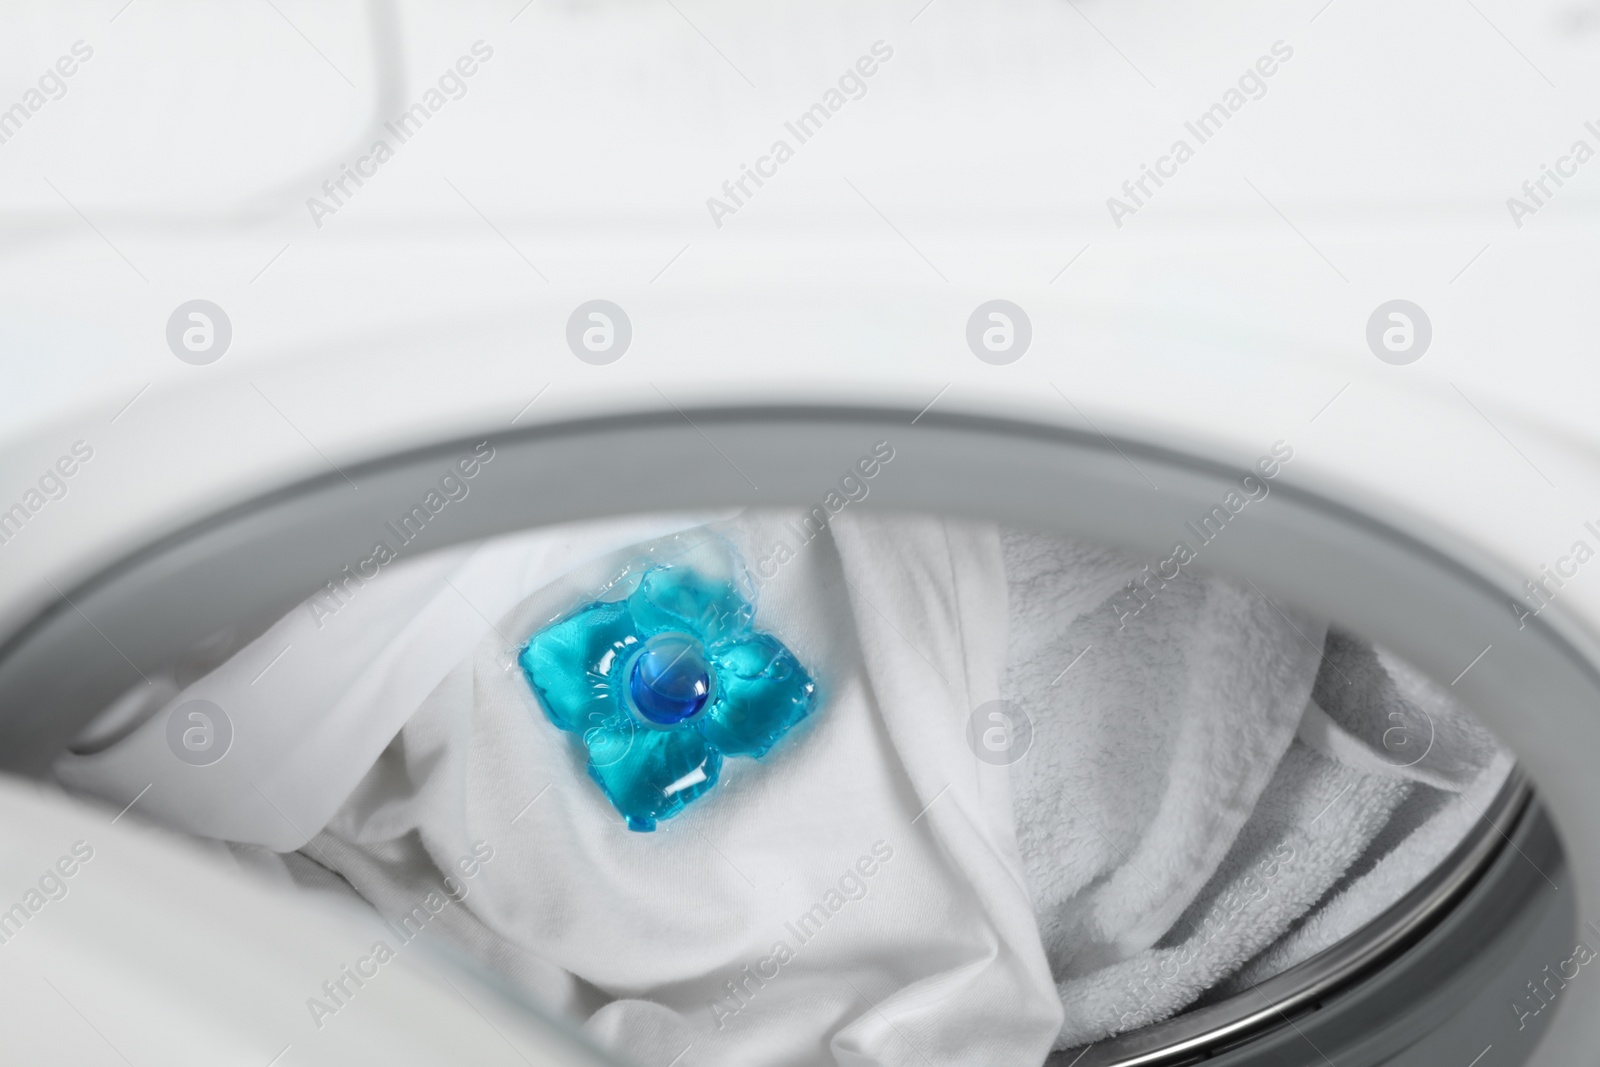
1082, 266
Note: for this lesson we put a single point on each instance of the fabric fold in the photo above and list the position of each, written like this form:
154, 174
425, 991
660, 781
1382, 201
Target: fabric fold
929, 599
1155, 734
850, 897
1045, 797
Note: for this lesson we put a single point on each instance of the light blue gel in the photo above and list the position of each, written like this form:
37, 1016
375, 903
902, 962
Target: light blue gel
663, 684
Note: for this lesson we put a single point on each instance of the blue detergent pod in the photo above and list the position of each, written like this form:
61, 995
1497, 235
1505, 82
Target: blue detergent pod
664, 683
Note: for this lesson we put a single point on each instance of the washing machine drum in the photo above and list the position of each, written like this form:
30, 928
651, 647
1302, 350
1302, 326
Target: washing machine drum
859, 738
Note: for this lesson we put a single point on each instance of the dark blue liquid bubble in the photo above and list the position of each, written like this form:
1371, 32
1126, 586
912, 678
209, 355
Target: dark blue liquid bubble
670, 680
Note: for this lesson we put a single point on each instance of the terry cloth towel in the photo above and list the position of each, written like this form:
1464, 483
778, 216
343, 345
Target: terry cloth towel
1408, 728
1203, 778
855, 898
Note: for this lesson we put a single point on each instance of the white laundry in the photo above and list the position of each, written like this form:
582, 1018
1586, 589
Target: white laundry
872, 893
314, 699
706, 934
1204, 774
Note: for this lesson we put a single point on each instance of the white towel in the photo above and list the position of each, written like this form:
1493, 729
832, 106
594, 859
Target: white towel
1206, 787
1414, 731
1150, 753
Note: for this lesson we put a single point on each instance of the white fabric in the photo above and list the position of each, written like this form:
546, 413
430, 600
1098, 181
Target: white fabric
1389, 878
1203, 777
1217, 788
314, 699
1414, 731
1150, 753
938, 961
